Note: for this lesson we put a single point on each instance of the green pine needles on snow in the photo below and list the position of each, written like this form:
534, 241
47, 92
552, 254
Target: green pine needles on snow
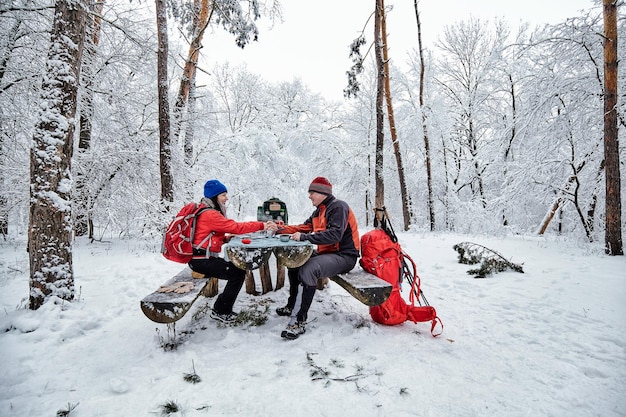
169, 407
193, 377
256, 314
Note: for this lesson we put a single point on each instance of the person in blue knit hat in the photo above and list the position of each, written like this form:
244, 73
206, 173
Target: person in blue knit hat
212, 227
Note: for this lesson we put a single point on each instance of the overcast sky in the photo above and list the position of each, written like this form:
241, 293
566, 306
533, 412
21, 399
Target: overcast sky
312, 42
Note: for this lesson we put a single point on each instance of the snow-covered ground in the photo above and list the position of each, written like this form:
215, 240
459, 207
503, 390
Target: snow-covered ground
549, 342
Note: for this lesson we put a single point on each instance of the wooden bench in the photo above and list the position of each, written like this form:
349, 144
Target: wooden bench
365, 287
168, 307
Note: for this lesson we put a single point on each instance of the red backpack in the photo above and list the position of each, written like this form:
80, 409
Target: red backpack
383, 257
178, 238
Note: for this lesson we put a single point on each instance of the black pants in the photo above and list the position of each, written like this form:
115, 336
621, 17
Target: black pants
219, 268
318, 266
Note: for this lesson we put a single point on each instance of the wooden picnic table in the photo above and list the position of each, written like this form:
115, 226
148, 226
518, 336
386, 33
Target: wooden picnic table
253, 251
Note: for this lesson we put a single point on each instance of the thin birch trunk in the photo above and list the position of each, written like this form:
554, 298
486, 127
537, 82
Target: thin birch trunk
429, 177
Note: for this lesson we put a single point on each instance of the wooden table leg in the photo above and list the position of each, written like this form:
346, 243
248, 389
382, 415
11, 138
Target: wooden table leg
280, 275
250, 285
266, 278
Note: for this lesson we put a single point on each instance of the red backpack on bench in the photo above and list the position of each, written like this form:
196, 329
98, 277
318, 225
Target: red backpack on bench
383, 257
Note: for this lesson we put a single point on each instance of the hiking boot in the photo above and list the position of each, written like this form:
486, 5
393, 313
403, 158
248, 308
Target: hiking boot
226, 318
284, 311
293, 331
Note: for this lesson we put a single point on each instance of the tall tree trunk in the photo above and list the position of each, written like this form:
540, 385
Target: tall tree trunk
200, 22
13, 35
446, 191
165, 145
9, 47
473, 149
579, 209
509, 145
82, 201
50, 222
4, 216
613, 233
190, 128
429, 177
404, 195
189, 134
591, 210
92, 39
379, 199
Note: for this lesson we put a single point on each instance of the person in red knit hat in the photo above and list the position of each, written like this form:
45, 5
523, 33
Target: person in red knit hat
333, 228
212, 227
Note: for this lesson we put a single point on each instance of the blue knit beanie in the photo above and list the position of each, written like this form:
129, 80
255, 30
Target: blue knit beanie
213, 188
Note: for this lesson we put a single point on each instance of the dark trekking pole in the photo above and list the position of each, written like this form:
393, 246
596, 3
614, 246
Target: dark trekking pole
385, 225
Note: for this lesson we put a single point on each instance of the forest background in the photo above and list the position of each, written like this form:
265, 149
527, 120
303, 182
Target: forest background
515, 121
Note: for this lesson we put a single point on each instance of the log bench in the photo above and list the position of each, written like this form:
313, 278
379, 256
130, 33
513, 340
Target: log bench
168, 307
365, 287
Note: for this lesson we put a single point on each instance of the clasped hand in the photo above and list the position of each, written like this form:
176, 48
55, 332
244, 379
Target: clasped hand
270, 225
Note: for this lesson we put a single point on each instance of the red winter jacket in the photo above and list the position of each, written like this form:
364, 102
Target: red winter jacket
212, 221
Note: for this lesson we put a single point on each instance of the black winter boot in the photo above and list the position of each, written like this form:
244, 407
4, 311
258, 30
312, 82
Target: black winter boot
307, 298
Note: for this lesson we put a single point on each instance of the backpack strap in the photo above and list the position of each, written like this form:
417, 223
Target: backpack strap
207, 253
433, 324
198, 247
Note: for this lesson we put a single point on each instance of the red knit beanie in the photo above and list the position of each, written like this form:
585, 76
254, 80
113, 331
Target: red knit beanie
321, 185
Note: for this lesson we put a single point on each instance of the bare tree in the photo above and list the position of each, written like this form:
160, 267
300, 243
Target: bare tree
429, 179
83, 223
470, 50
238, 18
404, 195
165, 140
239, 92
567, 55
201, 19
613, 233
50, 224
8, 48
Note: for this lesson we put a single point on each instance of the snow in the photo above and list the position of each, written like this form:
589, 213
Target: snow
549, 342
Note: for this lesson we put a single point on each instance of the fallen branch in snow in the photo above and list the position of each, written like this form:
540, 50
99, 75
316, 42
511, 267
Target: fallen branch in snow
319, 373
490, 260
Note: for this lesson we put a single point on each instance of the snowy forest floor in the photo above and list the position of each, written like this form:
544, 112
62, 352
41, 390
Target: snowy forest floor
548, 342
